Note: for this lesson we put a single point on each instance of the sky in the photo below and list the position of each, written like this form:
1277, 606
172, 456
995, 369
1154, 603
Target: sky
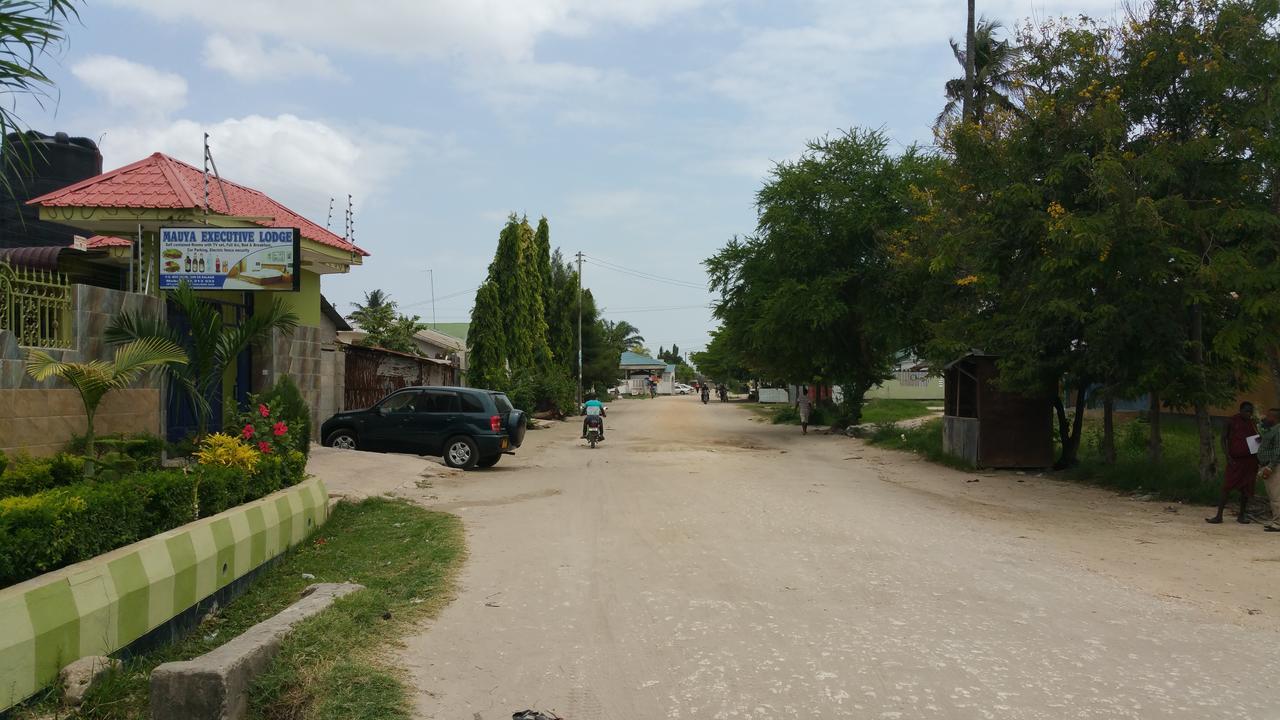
641, 129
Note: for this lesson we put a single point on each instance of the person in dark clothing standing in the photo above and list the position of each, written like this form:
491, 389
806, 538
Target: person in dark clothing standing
1242, 464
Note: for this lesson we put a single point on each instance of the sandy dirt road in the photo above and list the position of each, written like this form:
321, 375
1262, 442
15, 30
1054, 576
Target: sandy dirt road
701, 564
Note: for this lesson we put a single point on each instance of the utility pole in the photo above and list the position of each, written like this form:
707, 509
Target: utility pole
579, 256
431, 275
968, 110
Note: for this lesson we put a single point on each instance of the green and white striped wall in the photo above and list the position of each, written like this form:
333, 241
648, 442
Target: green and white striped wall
101, 605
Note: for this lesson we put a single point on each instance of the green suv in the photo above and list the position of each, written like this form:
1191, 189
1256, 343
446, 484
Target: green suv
468, 427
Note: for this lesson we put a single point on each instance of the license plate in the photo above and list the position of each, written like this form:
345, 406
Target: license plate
503, 444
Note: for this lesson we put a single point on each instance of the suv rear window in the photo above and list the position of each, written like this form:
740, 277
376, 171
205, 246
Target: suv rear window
504, 405
471, 403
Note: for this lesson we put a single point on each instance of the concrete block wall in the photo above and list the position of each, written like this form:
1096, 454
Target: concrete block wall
298, 355
40, 418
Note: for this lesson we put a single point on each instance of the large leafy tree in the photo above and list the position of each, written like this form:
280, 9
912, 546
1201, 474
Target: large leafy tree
809, 297
1200, 91
720, 363
211, 343
1035, 283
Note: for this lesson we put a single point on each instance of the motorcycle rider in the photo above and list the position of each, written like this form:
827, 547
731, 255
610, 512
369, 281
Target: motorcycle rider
592, 412
706, 392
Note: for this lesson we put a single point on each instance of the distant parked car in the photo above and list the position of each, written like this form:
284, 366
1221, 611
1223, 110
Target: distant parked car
682, 389
468, 427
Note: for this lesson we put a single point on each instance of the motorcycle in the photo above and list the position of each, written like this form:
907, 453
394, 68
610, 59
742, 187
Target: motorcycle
595, 431
706, 397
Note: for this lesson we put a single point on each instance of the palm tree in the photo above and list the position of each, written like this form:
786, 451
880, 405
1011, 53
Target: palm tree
377, 306
29, 29
211, 343
622, 335
970, 71
96, 378
994, 68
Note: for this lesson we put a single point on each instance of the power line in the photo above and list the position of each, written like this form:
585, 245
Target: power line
657, 308
643, 275
460, 293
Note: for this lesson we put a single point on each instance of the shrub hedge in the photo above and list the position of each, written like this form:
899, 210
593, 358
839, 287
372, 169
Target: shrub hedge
61, 524
25, 475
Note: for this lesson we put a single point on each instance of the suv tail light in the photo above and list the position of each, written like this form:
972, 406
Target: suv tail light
495, 423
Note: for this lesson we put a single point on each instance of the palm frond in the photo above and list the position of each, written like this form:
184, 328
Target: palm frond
255, 328
132, 358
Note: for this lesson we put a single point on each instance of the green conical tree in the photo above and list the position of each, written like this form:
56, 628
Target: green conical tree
562, 314
487, 341
529, 337
542, 252
504, 274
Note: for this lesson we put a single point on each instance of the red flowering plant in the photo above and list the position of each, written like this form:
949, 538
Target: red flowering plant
263, 429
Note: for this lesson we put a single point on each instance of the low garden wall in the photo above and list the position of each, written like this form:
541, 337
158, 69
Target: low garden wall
101, 605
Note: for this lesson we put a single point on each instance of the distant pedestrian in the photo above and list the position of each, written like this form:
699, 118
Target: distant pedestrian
1242, 465
805, 406
1269, 460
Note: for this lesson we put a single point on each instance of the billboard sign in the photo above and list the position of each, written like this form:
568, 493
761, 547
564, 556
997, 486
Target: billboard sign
230, 258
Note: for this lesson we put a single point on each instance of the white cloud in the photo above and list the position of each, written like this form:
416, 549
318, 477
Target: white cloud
842, 64
480, 29
300, 162
133, 86
246, 58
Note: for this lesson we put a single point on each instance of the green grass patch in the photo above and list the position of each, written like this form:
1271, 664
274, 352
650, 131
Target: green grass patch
889, 410
924, 440
329, 667
1175, 478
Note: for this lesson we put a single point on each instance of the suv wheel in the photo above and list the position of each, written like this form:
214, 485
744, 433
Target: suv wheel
461, 452
342, 439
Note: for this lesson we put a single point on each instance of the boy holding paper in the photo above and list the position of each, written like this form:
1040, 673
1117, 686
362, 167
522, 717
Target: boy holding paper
1242, 465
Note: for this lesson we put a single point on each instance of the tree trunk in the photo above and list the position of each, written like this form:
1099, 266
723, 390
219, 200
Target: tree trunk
1204, 424
969, 70
1155, 442
1071, 439
1109, 430
90, 451
1273, 357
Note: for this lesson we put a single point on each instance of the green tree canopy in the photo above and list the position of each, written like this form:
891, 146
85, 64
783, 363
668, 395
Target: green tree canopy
383, 324
810, 297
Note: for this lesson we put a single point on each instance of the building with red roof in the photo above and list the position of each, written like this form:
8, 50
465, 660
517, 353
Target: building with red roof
122, 212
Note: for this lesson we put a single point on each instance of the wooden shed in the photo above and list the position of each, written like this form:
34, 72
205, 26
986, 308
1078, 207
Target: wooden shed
989, 427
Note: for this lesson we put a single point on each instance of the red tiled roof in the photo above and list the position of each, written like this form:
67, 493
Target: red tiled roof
159, 181
98, 242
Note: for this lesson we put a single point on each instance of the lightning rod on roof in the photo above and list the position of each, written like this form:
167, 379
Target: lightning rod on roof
210, 162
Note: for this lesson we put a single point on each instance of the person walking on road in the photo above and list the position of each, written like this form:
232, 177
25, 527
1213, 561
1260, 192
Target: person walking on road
1269, 460
1242, 465
805, 406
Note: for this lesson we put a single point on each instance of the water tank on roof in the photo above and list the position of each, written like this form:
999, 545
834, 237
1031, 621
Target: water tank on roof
34, 164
